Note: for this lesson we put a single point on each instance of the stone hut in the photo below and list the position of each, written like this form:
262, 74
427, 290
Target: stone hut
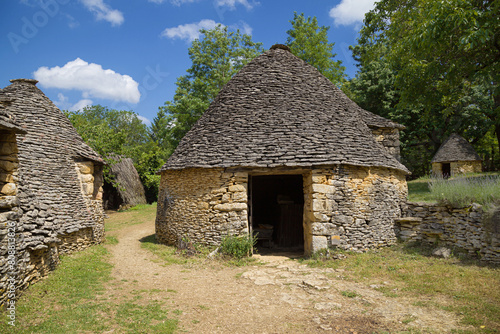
283, 151
51, 194
128, 190
456, 156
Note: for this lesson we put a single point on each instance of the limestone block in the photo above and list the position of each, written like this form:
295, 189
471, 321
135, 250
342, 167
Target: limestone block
87, 178
240, 197
237, 188
203, 206
219, 191
226, 197
86, 167
8, 202
8, 166
88, 188
7, 177
335, 240
319, 179
8, 148
323, 188
318, 242
324, 228
8, 189
342, 220
227, 207
318, 205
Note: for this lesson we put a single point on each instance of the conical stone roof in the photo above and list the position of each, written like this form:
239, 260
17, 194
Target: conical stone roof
456, 148
280, 111
36, 113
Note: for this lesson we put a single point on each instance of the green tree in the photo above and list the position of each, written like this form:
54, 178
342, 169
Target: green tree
308, 41
416, 69
215, 57
120, 132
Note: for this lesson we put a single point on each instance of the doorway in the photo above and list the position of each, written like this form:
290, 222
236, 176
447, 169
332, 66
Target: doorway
277, 207
446, 169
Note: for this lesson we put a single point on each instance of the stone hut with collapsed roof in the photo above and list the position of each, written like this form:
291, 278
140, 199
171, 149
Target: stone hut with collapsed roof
283, 151
51, 194
456, 156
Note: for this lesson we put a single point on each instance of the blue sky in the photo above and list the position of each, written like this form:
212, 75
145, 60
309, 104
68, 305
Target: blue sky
128, 54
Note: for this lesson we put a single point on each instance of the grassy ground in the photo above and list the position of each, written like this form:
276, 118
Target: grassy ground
133, 216
73, 298
457, 284
483, 188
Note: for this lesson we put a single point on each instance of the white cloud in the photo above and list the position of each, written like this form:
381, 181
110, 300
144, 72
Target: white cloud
351, 12
91, 79
232, 4
81, 104
174, 2
144, 120
104, 12
190, 31
243, 27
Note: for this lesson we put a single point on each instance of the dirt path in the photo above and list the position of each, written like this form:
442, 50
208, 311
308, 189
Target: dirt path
282, 296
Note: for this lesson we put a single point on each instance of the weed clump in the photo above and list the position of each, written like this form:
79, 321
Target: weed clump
237, 246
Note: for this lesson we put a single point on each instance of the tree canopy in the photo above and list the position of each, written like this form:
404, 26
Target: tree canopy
309, 41
434, 67
215, 57
118, 132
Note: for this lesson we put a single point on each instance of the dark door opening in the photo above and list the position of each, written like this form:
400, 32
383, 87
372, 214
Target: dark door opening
446, 169
277, 205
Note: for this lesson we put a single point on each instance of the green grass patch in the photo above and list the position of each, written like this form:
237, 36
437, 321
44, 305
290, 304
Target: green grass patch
458, 284
167, 254
151, 318
136, 215
111, 240
418, 190
71, 300
349, 294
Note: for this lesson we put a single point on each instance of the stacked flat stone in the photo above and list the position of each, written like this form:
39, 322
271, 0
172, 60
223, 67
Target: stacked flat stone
466, 228
53, 205
279, 115
280, 111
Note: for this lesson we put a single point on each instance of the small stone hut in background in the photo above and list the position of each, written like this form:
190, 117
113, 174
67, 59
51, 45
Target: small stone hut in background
51, 187
129, 190
281, 148
456, 156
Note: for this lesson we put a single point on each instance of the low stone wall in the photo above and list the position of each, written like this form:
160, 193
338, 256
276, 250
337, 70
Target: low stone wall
352, 207
345, 206
466, 228
202, 205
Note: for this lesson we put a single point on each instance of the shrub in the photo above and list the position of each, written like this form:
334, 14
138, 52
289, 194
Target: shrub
237, 246
462, 191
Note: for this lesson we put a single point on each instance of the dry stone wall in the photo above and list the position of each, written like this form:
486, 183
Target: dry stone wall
345, 206
202, 205
9, 210
466, 228
58, 206
352, 207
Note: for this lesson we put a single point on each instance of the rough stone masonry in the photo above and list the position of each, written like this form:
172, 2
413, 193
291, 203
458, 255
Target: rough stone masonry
51, 187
